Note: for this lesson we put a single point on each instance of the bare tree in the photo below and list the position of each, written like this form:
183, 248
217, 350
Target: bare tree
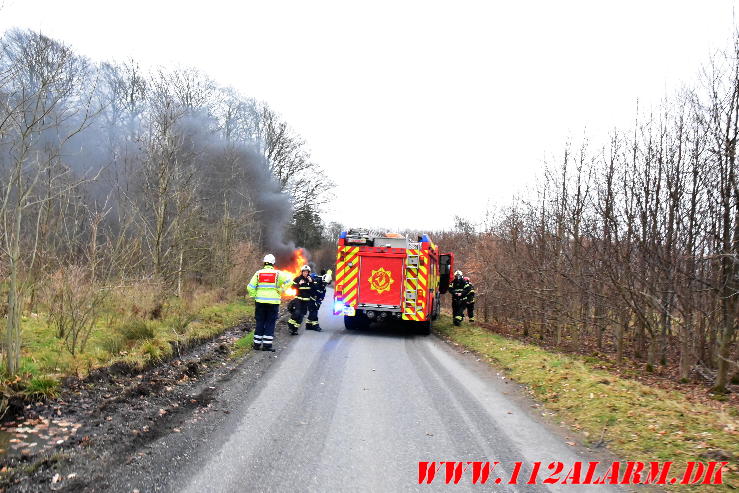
39, 114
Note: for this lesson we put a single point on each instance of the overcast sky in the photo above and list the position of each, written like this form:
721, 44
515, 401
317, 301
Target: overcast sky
418, 110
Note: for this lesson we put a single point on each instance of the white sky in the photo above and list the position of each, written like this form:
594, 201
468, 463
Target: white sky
418, 110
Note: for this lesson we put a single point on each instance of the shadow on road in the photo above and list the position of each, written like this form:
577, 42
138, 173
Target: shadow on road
391, 331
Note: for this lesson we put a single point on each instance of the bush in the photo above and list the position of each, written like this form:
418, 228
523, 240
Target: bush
245, 260
136, 329
74, 304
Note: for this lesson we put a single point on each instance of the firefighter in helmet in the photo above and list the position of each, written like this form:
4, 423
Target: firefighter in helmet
266, 287
457, 289
319, 292
305, 286
469, 299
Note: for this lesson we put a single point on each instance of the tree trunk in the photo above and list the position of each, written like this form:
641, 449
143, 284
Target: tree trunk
686, 329
15, 303
620, 332
180, 265
652, 350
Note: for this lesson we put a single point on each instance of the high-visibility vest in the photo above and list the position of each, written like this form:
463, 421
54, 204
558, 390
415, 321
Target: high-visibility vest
268, 284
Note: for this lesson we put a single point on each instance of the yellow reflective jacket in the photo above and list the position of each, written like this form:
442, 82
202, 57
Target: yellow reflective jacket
268, 284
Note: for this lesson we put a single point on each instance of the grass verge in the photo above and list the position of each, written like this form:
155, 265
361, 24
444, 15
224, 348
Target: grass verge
163, 337
128, 338
636, 421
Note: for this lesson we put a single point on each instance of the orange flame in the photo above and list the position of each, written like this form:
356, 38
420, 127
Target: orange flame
297, 261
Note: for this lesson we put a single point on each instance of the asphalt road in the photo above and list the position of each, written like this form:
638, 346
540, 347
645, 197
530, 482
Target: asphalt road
357, 410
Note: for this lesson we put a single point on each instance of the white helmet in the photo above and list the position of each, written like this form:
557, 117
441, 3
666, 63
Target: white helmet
458, 273
305, 267
269, 259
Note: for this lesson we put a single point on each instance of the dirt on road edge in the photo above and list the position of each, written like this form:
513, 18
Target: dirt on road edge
117, 414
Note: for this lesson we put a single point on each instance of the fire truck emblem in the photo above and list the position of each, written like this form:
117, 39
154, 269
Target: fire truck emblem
380, 280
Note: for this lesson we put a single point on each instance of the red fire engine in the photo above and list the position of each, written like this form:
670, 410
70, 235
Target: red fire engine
388, 276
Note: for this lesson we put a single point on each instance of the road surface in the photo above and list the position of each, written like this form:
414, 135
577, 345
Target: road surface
357, 410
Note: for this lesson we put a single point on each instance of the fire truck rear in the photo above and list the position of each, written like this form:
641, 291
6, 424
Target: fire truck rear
384, 277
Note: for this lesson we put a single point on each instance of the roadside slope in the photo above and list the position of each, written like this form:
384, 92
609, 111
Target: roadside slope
636, 421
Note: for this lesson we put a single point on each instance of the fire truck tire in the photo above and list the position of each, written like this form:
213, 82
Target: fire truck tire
352, 323
435, 311
423, 328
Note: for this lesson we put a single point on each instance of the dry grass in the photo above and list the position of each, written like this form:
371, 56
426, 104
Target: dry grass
636, 421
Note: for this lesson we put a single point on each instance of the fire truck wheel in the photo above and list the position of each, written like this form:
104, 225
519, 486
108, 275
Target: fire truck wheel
423, 328
351, 323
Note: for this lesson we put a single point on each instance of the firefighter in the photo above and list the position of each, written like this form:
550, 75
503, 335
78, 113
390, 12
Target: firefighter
469, 299
266, 287
319, 292
457, 289
305, 287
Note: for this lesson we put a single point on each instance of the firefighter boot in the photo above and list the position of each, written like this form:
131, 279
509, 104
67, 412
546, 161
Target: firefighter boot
267, 343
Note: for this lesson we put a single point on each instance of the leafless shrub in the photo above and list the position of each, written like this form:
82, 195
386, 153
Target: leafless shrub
73, 304
244, 260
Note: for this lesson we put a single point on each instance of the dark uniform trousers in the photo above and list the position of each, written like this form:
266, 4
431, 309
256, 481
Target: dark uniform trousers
305, 287
266, 317
458, 306
313, 306
301, 308
458, 291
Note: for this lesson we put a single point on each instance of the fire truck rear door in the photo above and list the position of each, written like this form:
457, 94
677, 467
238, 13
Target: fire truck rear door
445, 271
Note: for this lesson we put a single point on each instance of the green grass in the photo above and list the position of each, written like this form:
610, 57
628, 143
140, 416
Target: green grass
243, 345
121, 337
638, 422
136, 329
41, 386
207, 323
